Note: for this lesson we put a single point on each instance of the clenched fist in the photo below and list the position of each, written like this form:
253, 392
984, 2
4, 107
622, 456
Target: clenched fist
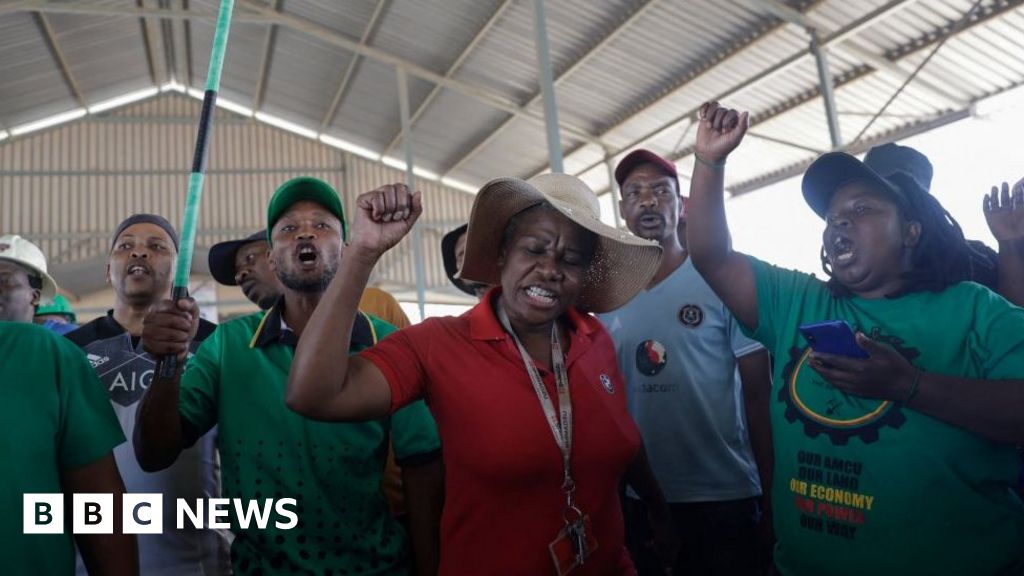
383, 217
719, 131
170, 327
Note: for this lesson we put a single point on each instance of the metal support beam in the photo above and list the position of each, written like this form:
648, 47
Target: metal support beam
852, 47
785, 142
925, 40
147, 44
51, 43
353, 65
260, 94
547, 87
897, 72
613, 188
167, 35
495, 16
140, 11
189, 73
855, 148
410, 178
251, 11
484, 95
748, 40
871, 18
894, 55
579, 63
827, 89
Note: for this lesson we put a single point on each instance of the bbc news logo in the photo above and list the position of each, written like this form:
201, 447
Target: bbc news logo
143, 513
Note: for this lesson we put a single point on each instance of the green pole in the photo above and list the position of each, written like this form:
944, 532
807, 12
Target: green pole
195, 183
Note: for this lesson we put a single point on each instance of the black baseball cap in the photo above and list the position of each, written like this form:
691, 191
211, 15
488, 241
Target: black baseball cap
884, 166
451, 265
222, 257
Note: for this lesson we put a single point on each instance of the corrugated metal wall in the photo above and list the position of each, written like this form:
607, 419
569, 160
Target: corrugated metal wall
67, 188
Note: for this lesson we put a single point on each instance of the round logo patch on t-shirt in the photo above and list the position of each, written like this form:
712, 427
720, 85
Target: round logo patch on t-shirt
650, 357
606, 381
825, 409
691, 315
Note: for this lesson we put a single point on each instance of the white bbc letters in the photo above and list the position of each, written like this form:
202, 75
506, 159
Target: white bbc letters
216, 513
144, 513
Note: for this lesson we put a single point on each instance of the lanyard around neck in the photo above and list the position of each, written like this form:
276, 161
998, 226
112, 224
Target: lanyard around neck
560, 422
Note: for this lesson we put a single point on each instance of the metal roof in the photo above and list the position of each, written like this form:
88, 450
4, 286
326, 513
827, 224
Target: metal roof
66, 189
627, 72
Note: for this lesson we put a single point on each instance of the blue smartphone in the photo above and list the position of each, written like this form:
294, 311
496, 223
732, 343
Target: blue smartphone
833, 337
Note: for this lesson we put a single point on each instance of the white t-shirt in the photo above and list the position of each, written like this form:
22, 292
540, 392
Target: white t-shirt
677, 346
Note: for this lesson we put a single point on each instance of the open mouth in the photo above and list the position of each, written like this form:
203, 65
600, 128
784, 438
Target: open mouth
651, 220
307, 255
842, 250
540, 296
138, 270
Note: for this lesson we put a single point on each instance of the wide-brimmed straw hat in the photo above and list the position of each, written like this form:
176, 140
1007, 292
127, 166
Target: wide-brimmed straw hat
622, 265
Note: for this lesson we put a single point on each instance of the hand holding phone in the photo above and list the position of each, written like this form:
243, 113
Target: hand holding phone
832, 337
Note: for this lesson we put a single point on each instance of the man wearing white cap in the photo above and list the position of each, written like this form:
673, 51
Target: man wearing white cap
24, 283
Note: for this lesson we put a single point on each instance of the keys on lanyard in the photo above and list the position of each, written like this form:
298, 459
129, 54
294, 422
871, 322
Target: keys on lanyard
576, 532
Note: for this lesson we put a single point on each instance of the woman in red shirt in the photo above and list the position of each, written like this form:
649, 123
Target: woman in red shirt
528, 399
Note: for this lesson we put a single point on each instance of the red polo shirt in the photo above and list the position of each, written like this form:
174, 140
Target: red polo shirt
503, 470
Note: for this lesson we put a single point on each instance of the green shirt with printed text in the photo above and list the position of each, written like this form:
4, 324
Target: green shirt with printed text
866, 486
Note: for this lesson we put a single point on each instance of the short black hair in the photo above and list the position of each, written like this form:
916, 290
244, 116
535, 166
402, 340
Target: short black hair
942, 257
35, 281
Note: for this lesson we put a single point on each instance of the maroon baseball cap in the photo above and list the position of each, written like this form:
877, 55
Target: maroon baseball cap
641, 156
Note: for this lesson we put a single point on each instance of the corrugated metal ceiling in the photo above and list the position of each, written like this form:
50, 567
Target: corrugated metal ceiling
628, 70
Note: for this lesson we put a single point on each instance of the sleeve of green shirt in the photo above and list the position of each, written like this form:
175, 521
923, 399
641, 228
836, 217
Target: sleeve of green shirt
413, 430
89, 428
998, 335
197, 402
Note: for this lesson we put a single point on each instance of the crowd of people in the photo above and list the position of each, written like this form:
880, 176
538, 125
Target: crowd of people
618, 402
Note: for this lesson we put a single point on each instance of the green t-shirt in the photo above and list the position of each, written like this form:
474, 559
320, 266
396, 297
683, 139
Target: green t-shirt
237, 380
54, 416
870, 487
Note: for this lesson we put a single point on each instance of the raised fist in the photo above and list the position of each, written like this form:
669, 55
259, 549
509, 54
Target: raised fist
719, 131
384, 216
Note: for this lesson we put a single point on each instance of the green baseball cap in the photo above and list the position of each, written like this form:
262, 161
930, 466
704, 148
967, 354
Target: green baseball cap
59, 305
304, 188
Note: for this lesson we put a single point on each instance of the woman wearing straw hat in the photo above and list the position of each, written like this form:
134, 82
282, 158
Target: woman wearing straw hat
524, 387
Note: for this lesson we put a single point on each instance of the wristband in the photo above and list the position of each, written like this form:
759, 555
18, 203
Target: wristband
716, 166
